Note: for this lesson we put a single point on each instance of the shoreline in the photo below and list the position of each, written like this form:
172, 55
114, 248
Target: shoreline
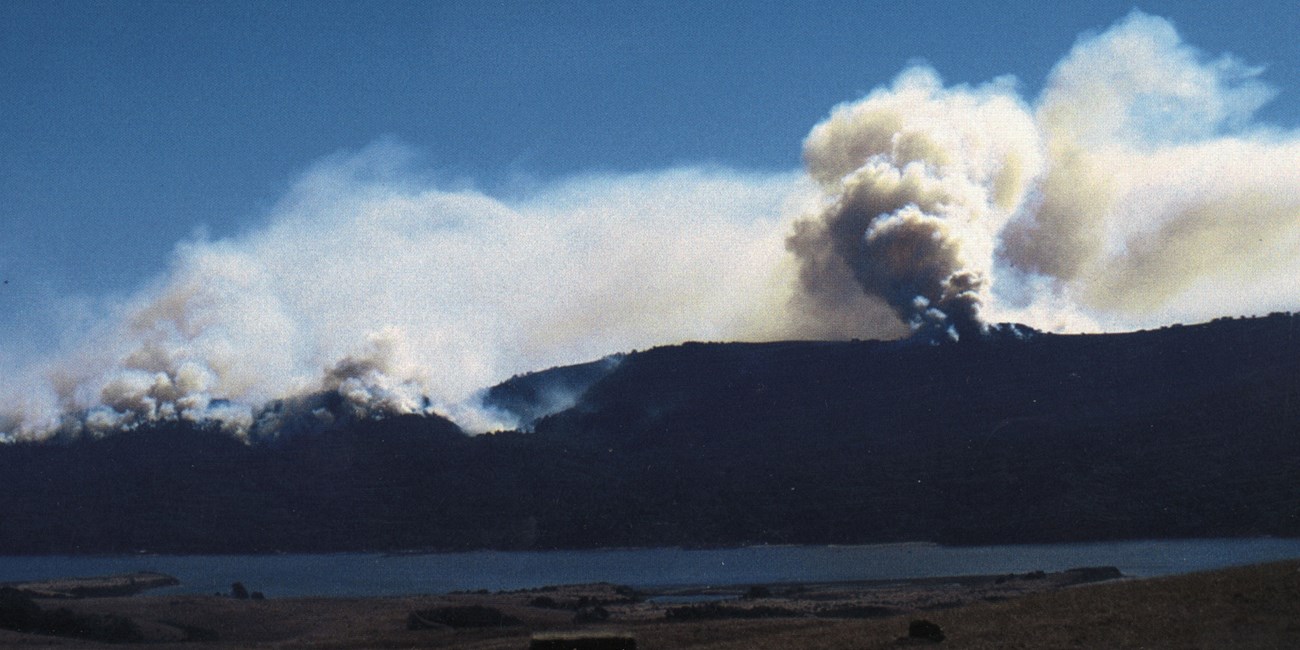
1038, 609
117, 585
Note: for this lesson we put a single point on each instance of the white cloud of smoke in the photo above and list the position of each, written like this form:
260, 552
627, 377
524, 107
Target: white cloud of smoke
1137, 190
367, 282
1163, 201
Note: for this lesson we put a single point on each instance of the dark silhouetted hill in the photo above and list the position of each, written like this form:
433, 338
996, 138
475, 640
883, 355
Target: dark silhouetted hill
531, 396
1180, 432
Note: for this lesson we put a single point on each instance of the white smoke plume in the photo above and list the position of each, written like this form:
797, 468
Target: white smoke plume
1136, 190
1164, 200
405, 297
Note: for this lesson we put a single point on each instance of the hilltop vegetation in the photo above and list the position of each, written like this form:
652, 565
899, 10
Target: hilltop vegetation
1181, 432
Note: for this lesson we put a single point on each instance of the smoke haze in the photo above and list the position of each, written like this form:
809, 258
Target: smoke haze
366, 282
1136, 190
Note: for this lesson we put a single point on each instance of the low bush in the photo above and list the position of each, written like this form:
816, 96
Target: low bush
857, 611
18, 612
458, 617
923, 629
582, 642
714, 611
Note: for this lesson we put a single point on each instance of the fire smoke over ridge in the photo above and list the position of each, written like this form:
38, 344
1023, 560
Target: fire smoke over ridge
920, 181
1136, 190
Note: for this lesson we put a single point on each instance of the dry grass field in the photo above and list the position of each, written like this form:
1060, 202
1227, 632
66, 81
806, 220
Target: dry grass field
1248, 607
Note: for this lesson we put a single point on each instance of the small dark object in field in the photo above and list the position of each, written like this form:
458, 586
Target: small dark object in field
544, 602
582, 642
715, 611
239, 591
857, 611
592, 614
458, 617
923, 629
257, 595
758, 591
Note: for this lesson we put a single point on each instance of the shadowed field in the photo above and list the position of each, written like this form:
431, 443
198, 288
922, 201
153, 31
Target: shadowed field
1249, 607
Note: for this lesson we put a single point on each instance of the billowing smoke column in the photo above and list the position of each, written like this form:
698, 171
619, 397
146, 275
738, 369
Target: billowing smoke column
1137, 190
919, 181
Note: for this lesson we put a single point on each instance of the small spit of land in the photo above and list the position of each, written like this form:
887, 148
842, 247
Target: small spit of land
1247, 607
125, 584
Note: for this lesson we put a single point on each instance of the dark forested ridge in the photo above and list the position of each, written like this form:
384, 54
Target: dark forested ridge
1181, 432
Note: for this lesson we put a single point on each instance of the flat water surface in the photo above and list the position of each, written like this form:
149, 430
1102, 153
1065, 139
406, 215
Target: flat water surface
370, 574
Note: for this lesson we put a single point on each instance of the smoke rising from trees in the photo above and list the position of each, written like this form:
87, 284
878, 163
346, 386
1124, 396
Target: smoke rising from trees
1136, 190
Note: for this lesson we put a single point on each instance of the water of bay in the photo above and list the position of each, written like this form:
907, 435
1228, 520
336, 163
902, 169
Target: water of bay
370, 574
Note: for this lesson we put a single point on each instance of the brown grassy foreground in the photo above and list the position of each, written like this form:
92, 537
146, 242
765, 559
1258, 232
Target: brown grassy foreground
1249, 607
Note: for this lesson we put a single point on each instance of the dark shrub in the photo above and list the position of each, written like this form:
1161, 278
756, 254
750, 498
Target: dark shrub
238, 590
108, 628
582, 642
20, 613
17, 610
714, 611
857, 611
458, 617
923, 629
592, 614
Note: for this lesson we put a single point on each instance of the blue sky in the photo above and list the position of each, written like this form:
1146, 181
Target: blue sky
129, 131
128, 126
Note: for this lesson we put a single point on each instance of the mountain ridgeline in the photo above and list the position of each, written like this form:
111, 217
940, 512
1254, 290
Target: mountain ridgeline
1186, 431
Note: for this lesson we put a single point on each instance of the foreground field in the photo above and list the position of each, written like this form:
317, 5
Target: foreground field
1249, 607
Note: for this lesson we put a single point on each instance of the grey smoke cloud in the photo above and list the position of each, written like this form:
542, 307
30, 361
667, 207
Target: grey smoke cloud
918, 180
1136, 190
